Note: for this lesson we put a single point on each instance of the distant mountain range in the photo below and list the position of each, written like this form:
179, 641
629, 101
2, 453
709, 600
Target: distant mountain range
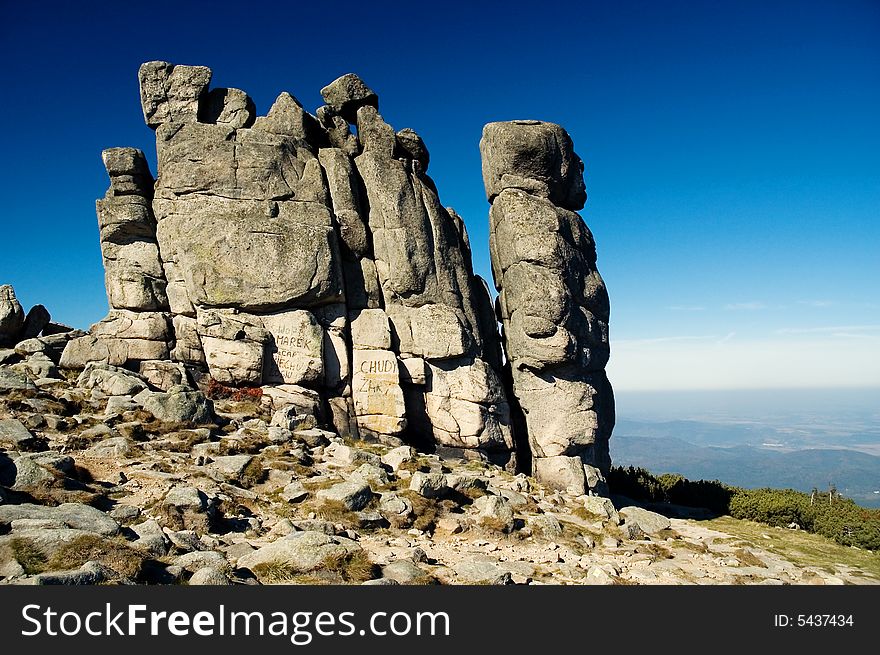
746, 456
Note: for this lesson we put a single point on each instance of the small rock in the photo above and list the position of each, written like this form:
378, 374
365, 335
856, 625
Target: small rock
193, 561
598, 576
231, 466
151, 537
301, 551
450, 524
88, 574
186, 497
294, 492
114, 447
12, 380
602, 507
429, 485
371, 473
74, 515
404, 571
209, 576
354, 494
495, 512
396, 457
180, 405
649, 522
14, 432
293, 418
124, 513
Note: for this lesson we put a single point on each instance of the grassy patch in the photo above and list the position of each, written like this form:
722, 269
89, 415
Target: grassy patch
253, 474
28, 555
427, 511
583, 513
655, 551
118, 556
748, 558
244, 443
352, 568
800, 547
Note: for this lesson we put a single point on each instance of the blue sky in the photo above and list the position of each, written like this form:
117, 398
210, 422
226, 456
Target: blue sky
732, 151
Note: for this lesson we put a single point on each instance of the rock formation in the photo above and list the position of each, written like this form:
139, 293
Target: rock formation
284, 250
552, 301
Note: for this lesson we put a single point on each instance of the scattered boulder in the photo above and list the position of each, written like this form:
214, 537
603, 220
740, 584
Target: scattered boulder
209, 576
649, 522
180, 404
429, 485
354, 494
495, 512
300, 551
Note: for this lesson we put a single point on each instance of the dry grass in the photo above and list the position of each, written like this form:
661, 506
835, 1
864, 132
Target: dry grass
246, 443
748, 558
655, 551
351, 568
120, 557
28, 555
494, 525
253, 474
427, 511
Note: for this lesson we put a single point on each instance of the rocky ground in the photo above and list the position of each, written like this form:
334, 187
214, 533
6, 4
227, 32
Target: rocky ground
104, 480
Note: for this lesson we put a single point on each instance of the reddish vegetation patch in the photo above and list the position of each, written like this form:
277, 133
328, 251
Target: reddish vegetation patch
218, 391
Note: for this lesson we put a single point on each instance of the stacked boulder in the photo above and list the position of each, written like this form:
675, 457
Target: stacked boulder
552, 301
30, 343
284, 250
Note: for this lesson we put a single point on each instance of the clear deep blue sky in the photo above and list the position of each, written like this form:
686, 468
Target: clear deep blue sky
732, 151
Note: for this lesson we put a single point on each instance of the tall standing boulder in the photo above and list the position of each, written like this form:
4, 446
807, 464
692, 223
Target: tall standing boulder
552, 301
11, 316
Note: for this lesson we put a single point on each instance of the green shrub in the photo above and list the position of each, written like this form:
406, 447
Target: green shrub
827, 514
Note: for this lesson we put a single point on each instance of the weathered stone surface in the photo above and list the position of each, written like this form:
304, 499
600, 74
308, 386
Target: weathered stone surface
378, 398
354, 494
404, 571
649, 522
552, 301
255, 256
411, 146
171, 93
300, 551
11, 316
210, 576
348, 93
466, 406
163, 375
370, 330
12, 431
11, 379
563, 473
338, 131
396, 457
345, 195
231, 107
295, 350
187, 342
429, 485
72, 515
495, 512
602, 507
287, 117
110, 380
180, 405
535, 156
